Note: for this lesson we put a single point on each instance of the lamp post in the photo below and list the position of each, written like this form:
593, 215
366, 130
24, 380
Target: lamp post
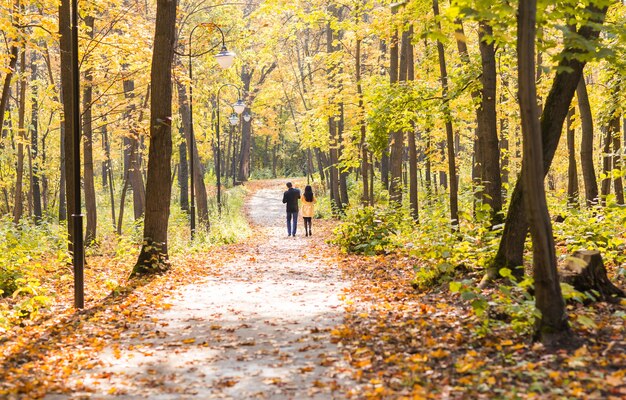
225, 59
78, 246
238, 106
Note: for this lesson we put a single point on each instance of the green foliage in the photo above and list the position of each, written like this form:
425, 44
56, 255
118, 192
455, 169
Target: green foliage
20, 268
371, 230
229, 227
510, 305
601, 229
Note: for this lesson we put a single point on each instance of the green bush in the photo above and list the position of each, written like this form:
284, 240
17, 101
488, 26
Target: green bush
370, 230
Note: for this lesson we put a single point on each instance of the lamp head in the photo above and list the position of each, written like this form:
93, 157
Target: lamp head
239, 106
225, 58
247, 117
233, 119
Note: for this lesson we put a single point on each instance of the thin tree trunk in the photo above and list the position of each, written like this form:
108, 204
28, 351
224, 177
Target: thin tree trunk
34, 144
332, 128
614, 126
154, 253
343, 173
454, 202
88, 178
605, 188
397, 56
572, 174
109, 171
413, 187
200, 192
6, 87
132, 164
586, 144
18, 207
505, 151
183, 174
62, 180
120, 221
362, 126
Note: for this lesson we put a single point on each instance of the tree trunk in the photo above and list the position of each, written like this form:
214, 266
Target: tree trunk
397, 73
6, 87
557, 104
200, 192
487, 126
504, 139
34, 145
572, 174
154, 253
132, 164
617, 160
183, 174
605, 188
109, 171
362, 126
18, 209
332, 129
62, 180
586, 144
552, 327
413, 188
454, 202
343, 174
585, 271
88, 178
321, 165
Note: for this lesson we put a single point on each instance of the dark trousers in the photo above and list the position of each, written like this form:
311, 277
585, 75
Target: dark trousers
292, 222
307, 224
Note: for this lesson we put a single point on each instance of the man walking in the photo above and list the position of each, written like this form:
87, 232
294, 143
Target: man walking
290, 197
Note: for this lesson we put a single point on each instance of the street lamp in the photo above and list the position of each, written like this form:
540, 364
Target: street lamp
233, 119
247, 117
225, 59
238, 107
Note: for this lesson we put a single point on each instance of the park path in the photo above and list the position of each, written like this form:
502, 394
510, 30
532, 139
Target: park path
260, 329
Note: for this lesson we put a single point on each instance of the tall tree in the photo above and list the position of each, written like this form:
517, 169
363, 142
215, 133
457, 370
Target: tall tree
556, 106
90, 188
153, 257
333, 170
34, 144
487, 125
572, 174
413, 188
552, 327
454, 201
200, 192
586, 144
397, 75
18, 208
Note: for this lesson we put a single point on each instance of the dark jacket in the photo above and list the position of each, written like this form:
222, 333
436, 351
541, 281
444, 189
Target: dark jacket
291, 197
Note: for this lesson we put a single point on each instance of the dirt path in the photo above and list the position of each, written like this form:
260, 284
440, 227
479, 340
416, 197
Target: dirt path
261, 329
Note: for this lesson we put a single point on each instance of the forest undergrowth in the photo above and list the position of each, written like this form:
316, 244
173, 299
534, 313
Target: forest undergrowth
419, 327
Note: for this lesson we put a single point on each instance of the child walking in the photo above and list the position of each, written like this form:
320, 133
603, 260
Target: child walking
308, 209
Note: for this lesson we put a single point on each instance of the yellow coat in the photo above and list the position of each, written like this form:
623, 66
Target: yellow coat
308, 209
